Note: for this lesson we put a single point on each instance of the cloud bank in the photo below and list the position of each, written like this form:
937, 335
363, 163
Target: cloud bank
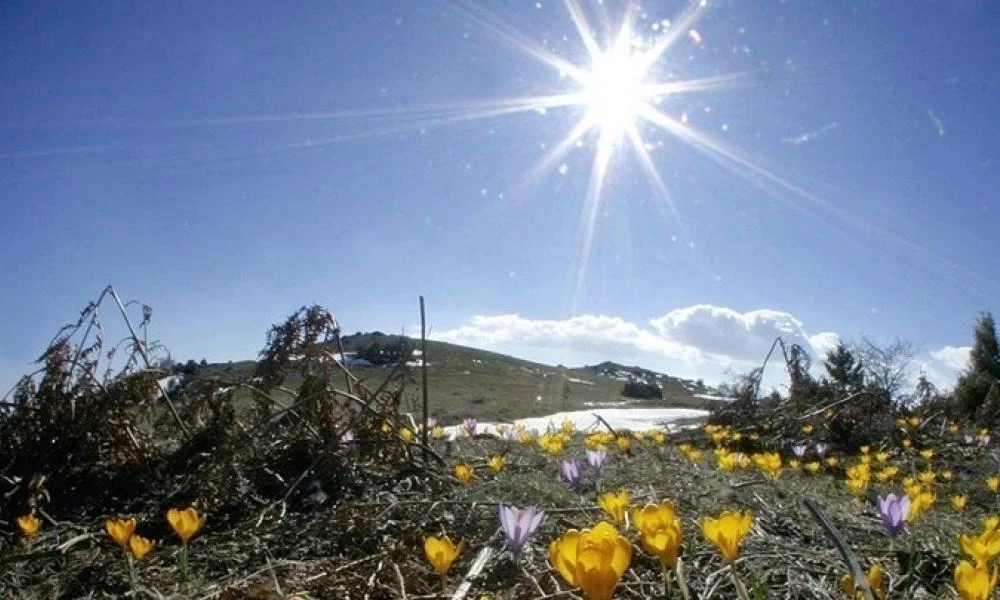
703, 341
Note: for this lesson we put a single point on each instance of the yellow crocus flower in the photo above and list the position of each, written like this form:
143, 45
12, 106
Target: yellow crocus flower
29, 524
593, 560
876, 582
927, 453
993, 482
856, 486
959, 501
615, 504
983, 547
807, 429
441, 553
185, 523
974, 582
407, 434
727, 531
437, 432
811, 467
139, 546
991, 522
497, 463
769, 463
661, 531
882, 456
920, 502
464, 472
120, 530
887, 474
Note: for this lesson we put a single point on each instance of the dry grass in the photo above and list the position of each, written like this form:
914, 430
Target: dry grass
109, 452
370, 546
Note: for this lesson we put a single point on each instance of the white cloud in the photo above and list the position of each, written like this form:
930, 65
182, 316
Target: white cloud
696, 342
823, 343
701, 341
745, 336
943, 365
591, 332
954, 357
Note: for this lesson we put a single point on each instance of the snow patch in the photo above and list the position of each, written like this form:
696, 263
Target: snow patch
715, 397
631, 419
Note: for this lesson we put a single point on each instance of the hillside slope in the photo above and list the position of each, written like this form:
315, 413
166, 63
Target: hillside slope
465, 382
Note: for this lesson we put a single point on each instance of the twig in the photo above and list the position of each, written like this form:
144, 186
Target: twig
859, 577
423, 377
288, 491
145, 358
823, 409
402, 581
368, 407
606, 424
477, 567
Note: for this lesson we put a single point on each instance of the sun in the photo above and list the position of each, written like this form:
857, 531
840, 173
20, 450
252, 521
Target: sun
614, 92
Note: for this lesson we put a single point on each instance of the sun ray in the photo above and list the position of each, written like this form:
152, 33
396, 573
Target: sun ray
591, 211
517, 41
554, 156
583, 28
646, 162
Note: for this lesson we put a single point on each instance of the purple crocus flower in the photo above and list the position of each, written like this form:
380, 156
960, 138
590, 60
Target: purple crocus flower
571, 471
347, 438
821, 449
596, 458
799, 450
469, 425
518, 525
894, 511
985, 440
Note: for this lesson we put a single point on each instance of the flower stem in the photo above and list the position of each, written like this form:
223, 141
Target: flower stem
184, 562
131, 569
668, 588
681, 581
740, 588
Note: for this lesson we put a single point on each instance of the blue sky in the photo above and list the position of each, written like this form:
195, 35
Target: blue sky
227, 166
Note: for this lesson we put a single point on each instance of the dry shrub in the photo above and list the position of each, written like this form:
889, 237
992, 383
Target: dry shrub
73, 442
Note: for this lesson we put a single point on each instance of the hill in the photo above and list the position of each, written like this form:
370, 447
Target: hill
465, 381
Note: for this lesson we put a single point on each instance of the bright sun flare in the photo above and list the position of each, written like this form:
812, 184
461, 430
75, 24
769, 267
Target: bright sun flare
614, 89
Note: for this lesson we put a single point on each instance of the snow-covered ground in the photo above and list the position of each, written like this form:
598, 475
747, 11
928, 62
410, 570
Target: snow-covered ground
583, 381
714, 397
632, 419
